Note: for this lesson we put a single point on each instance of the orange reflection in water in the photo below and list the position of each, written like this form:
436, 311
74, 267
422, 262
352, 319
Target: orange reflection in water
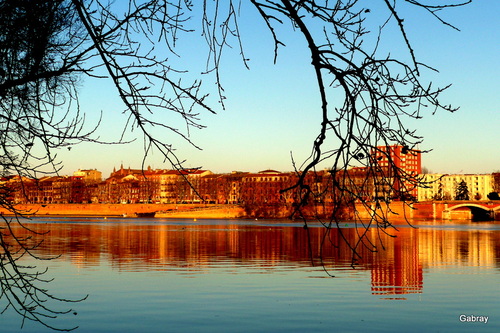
396, 269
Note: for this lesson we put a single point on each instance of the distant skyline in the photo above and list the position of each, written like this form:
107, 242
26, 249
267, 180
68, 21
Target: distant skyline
271, 110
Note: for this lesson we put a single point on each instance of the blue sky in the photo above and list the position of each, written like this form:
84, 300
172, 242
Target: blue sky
272, 109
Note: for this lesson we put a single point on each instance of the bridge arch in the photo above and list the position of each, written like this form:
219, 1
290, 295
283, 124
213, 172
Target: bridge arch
469, 205
476, 212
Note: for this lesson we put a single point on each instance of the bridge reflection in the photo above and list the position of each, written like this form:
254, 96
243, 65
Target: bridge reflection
399, 269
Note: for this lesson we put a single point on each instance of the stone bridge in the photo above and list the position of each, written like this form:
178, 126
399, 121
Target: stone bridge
464, 210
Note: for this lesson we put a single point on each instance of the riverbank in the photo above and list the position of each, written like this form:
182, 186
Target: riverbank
131, 210
209, 211
422, 210
191, 211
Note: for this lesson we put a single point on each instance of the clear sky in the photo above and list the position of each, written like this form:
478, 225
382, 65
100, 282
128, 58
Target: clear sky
272, 109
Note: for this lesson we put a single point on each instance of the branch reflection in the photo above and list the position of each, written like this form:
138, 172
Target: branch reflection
23, 287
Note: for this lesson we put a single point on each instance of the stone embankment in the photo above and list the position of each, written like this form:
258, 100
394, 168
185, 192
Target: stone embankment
396, 209
207, 212
131, 210
423, 210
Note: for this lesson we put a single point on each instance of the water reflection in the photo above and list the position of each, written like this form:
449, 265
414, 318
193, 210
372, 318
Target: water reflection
135, 246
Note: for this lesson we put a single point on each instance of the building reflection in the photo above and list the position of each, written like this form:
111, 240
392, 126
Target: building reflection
396, 270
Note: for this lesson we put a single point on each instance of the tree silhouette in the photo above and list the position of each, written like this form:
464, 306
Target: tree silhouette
493, 196
378, 94
365, 94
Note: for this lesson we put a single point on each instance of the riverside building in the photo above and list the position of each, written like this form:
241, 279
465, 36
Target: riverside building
444, 187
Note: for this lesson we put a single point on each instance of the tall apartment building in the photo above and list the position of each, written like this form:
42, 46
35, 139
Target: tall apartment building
407, 160
397, 158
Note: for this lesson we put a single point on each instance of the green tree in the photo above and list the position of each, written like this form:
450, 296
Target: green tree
493, 196
439, 195
462, 191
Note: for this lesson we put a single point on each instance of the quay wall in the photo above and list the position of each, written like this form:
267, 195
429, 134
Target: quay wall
419, 210
162, 210
218, 212
445, 210
396, 209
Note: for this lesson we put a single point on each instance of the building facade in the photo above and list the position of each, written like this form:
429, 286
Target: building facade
89, 175
445, 187
397, 170
392, 177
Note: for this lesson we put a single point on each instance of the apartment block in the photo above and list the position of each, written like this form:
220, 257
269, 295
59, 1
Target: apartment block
444, 187
397, 169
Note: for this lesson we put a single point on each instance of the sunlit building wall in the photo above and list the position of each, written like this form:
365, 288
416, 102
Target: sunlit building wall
443, 187
407, 163
92, 175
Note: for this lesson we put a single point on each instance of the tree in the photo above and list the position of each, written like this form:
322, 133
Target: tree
462, 191
102, 39
425, 170
439, 195
365, 94
496, 181
377, 92
493, 196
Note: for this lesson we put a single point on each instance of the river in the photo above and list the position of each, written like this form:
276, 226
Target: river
266, 276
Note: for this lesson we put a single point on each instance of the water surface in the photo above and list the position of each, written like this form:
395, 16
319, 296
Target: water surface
268, 276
